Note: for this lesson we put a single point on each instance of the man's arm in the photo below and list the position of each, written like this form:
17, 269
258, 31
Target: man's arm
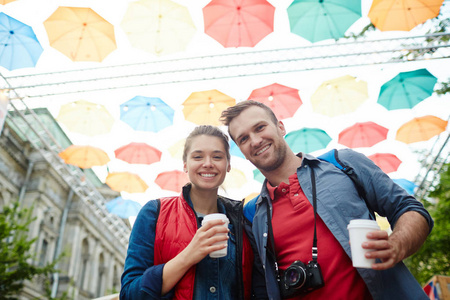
410, 232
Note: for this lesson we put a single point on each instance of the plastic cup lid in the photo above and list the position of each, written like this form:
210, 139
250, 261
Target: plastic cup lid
215, 217
363, 223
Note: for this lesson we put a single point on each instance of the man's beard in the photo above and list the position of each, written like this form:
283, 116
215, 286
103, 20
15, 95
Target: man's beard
280, 154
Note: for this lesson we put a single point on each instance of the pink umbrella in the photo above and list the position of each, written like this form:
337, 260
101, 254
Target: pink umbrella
386, 161
138, 153
364, 134
172, 180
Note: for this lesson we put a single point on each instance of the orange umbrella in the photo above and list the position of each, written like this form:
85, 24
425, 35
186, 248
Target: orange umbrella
126, 182
84, 156
364, 134
234, 179
420, 129
283, 100
238, 23
138, 153
403, 15
172, 180
6, 1
386, 161
86, 118
80, 33
205, 107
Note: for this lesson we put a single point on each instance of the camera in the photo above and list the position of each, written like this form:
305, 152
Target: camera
299, 279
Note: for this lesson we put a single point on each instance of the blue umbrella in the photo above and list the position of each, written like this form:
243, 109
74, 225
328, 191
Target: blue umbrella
307, 140
146, 113
19, 47
409, 186
123, 208
234, 150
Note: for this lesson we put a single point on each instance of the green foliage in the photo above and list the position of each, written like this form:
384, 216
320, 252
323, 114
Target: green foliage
15, 256
434, 256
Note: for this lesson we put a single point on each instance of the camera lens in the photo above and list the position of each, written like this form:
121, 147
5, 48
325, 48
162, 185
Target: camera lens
295, 276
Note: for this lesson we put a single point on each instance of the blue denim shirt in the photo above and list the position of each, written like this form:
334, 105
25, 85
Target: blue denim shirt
215, 278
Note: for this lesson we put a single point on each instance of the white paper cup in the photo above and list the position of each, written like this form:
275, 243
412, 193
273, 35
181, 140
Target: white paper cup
210, 217
358, 230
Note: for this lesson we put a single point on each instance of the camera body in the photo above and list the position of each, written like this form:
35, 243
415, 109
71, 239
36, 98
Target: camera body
299, 279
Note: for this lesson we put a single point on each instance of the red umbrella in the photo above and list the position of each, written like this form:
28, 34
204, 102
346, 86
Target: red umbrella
172, 180
238, 23
138, 153
386, 161
364, 134
283, 100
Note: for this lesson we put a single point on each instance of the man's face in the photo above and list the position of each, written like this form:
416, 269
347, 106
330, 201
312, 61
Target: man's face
260, 140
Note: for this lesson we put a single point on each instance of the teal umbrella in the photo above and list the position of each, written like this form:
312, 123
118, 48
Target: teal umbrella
307, 140
407, 89
317, 20
258, 176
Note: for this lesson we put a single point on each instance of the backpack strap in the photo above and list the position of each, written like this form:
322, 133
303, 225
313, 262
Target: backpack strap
332, 157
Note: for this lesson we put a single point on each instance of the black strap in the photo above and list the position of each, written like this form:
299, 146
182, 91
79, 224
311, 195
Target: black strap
313, 184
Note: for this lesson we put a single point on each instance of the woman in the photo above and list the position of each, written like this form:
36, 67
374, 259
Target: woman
168, 253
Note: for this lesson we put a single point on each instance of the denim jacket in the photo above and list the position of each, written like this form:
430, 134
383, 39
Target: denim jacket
338, 202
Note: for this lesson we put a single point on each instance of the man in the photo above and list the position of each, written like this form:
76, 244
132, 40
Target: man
287, 196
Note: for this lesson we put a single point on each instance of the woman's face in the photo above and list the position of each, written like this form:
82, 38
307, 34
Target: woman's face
206, 162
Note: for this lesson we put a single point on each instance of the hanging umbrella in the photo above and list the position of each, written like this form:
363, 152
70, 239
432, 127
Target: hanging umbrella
158, 26
409, 186
138, 153
407, 89
19, 46
234, 150
364, 134
146, 113
80, 34
420, 129
386, 161
126, 182
283, 100
85, 117
250, 197
176, 150
238, 23
258, 176
205, 107
307, 140
339, 96
6, 1
235, 179
388, 15
172, 180
317, 20
84, 156
123, 208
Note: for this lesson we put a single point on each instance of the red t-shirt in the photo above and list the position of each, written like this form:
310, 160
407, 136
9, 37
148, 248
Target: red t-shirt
293, 229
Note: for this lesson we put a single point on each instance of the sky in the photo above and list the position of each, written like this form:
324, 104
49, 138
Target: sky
34, 13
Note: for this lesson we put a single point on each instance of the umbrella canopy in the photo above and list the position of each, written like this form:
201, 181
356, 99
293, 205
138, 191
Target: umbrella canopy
158, 26
283, 100
176, 150
6, 1
19, 46
317, 20
146, 113
409, 186
80, 33
339, 96
84, 156
407, 89
386, 161
238, 23
123, 208
364, 134
235, 179
138, 153
234, 150
126, 182
205, 107
388, 15
307, 140
86, 118
258, 176
420, 129
172, 180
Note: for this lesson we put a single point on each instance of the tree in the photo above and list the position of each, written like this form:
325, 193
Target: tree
434, 256
15, 258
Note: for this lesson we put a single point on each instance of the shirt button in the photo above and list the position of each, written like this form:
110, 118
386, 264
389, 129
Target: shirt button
283, 190
265, 234
212, 289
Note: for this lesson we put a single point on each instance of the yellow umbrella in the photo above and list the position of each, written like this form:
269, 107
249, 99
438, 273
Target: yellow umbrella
158, 26
420, 129
80, 33
84, 156
86, 118
176, 150
250, 197
205, 107
234, 179
387, 15
126, 182
339, 96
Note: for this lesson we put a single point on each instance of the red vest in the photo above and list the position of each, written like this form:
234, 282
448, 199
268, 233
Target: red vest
175, 228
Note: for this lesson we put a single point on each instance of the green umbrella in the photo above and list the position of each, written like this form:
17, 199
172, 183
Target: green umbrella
317, 20
307, 140
407, 89
258, 176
